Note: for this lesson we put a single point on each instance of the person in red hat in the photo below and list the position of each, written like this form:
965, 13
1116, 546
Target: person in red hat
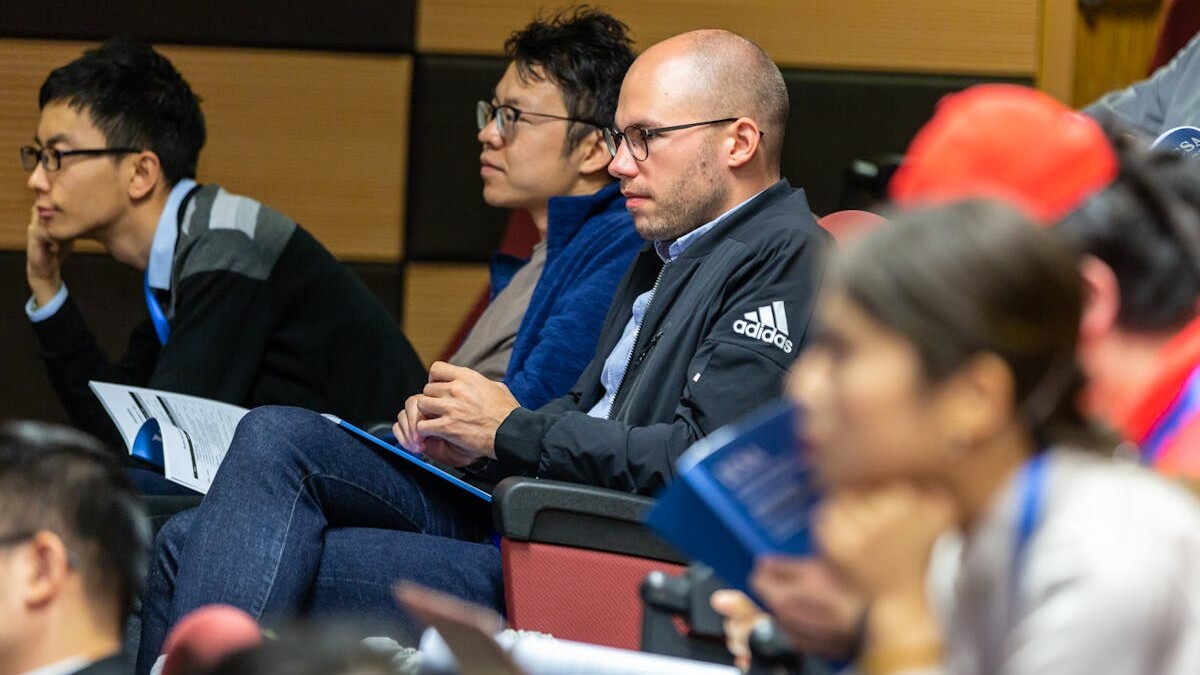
1006, 142
1133, 215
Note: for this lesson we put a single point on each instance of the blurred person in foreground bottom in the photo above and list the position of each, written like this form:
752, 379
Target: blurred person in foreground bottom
73, 549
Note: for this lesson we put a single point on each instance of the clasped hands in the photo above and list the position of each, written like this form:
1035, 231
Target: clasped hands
455, 418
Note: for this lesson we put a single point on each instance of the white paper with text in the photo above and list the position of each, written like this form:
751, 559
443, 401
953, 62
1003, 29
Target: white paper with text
194, 432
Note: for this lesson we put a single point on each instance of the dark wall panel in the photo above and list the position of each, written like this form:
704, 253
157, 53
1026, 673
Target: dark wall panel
110, 296
838, 117
350, 25
447, 217
108, 293
835, 118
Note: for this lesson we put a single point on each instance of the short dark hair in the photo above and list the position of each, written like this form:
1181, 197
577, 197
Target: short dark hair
137, 99
57, 479
585, 52
977, 277
1146, 227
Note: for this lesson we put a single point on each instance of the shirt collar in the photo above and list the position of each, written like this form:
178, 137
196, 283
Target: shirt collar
162, 249
566, 215
671, 250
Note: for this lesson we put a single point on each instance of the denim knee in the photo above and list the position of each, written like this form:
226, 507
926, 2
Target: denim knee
269, 435
170, 540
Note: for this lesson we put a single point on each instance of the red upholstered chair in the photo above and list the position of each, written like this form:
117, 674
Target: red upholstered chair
574, 559
1181, 20
845, 225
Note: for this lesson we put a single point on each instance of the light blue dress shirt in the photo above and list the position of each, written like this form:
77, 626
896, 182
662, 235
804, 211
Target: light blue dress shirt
618, 359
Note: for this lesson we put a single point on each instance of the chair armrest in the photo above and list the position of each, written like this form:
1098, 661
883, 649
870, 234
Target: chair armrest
578, 516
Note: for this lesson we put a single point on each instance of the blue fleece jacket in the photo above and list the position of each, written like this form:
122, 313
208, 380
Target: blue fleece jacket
590, 243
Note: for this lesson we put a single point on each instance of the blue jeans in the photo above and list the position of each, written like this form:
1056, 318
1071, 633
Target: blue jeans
304, 517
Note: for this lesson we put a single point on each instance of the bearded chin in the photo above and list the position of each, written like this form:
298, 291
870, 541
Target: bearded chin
696, 197
686, 214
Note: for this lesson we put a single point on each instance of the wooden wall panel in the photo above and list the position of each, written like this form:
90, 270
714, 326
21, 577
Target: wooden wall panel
998, 37
322, 137
23, 67
1113, 48
1056, 58
436, 298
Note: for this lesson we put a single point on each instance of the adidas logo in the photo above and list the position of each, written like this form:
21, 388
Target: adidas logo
768, 324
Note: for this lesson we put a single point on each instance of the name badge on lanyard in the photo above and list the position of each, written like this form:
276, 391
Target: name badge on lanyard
1033, 498
162, 328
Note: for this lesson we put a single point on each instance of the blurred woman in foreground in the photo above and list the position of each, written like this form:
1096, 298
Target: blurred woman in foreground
941, 396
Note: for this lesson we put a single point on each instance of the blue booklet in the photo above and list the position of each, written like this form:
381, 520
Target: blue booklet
745, 490
416, 460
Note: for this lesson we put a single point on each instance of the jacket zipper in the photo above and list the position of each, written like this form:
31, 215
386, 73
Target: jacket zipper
636, 333
649, 345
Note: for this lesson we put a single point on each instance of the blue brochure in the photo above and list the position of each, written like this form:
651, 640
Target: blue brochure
744, 491
408, 456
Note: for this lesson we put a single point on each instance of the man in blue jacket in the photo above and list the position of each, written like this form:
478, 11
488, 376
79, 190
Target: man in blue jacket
543, 150
702, 330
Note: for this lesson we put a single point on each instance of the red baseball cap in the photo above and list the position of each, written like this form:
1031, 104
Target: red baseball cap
1006, 142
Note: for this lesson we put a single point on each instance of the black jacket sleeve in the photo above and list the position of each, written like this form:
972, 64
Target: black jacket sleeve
729, 376
73, 358
218, 337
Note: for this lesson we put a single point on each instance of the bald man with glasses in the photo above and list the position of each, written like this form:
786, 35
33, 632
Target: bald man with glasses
709, 317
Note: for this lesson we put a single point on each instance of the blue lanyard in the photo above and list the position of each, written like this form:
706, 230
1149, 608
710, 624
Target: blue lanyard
1185, 407
1033, 496
161, 327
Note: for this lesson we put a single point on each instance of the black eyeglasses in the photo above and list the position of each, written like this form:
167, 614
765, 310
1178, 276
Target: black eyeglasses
506, 117
51, 159
638, 138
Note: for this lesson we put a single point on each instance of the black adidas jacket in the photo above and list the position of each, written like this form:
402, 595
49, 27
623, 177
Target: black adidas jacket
705, 355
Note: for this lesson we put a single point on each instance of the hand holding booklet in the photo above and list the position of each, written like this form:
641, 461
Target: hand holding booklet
744, 491
187, 436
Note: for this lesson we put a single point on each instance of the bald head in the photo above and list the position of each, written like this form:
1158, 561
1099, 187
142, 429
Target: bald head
722, 74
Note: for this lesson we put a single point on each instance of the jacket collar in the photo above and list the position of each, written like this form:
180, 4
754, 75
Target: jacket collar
766, 199
566, 216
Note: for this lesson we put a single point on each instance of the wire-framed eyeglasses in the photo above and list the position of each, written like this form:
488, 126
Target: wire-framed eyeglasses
506, 117
51, 158
638, 138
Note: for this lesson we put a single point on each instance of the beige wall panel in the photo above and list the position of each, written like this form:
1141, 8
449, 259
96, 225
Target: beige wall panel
948, 36
1113, 48
23, 66
322, 137
1056, 61
437, 297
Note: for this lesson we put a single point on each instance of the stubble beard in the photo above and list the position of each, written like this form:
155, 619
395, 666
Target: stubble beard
694, 199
